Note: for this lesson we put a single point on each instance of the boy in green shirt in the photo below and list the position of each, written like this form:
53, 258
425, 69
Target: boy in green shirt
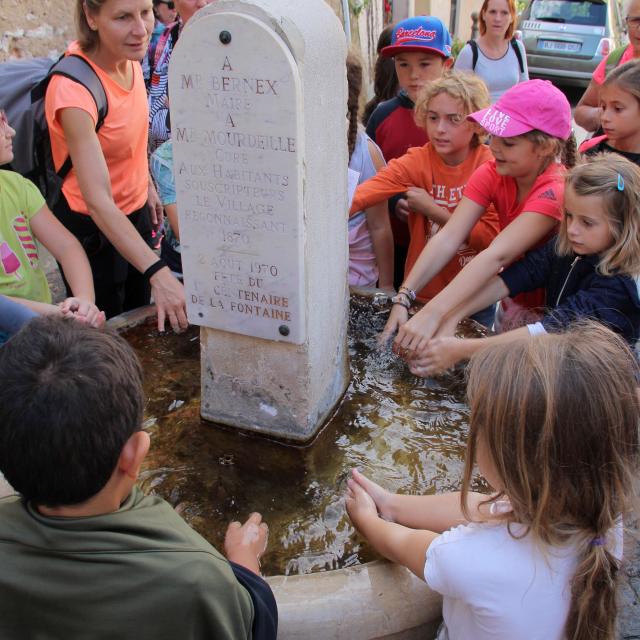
84, 553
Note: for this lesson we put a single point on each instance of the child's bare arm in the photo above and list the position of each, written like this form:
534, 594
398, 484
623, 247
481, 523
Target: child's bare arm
523, 233
380, 230
492, 292
245, 543
441, 354
395, 542
66, 249
382, 240
443, 246
38, 307
435, 512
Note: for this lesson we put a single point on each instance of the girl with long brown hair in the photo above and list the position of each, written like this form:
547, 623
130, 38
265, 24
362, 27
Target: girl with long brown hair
554, 432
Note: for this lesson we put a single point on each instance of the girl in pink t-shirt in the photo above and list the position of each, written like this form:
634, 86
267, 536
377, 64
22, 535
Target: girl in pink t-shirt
530, 127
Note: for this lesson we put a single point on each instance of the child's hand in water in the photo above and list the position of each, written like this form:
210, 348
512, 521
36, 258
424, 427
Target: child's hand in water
360, 505
414, 334
439, 355
245, 543
381, 497
397, 317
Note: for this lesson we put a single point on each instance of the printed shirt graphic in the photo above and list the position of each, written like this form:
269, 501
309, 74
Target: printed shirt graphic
20, 272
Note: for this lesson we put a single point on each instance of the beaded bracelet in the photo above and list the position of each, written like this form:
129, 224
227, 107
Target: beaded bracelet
401, 301
409, 292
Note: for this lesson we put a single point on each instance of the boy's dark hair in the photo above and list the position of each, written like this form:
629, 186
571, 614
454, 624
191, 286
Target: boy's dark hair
70, 398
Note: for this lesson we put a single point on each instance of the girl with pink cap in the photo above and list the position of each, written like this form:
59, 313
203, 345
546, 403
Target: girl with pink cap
530, 129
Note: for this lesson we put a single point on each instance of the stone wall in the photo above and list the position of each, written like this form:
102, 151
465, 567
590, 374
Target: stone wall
35, 27
43, 27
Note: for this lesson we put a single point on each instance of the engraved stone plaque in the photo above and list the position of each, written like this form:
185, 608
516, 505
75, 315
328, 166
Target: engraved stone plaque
237, 127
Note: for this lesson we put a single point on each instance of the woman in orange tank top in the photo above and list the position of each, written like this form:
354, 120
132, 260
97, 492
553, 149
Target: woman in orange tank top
108, 201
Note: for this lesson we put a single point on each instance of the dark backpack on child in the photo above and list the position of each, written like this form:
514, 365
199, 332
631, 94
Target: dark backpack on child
514, 45
23, 84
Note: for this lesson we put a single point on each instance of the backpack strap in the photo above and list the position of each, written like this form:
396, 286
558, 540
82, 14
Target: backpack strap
518, 52
613, 59
79, 70
474, 53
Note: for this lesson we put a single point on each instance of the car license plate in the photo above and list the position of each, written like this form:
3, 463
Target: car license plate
555, 45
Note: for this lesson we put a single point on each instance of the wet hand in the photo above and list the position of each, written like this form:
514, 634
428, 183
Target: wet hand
397, 317
168, 295
246, 543
381, 497
414, 334
439, 355
360, 505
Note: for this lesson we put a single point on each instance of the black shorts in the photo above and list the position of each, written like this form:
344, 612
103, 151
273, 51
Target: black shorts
118, 285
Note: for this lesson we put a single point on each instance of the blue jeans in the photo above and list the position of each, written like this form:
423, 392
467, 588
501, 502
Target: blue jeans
13, 317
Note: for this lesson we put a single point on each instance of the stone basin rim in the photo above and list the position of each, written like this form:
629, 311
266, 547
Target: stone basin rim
371, 601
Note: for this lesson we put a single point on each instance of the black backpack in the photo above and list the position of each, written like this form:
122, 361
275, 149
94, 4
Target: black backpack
23, 84
514, 45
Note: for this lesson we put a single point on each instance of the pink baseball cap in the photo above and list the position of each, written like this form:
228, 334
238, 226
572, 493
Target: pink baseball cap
534, 104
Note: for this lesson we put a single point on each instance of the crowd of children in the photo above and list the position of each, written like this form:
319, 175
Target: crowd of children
460, 204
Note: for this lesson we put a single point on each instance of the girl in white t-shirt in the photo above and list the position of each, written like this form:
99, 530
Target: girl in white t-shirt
554, 432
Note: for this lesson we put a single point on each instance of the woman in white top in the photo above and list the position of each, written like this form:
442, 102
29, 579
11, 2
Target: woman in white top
499, 59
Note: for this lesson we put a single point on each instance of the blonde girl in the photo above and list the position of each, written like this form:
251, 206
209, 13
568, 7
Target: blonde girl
433, 176
530, 128
588, 271
370, 236
554, 432
619, 114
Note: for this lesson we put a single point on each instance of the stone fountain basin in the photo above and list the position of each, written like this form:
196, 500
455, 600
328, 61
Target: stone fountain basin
374, 600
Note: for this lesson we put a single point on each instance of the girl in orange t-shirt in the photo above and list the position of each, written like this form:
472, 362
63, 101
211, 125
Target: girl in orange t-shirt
107, 194
435, 175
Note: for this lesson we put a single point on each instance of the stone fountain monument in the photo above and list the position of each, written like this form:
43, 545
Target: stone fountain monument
258, 104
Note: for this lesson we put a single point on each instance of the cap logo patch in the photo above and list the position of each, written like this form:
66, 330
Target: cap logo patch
419, 33
495, 121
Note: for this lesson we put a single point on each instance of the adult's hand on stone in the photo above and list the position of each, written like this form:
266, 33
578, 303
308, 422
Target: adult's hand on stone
168, 295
